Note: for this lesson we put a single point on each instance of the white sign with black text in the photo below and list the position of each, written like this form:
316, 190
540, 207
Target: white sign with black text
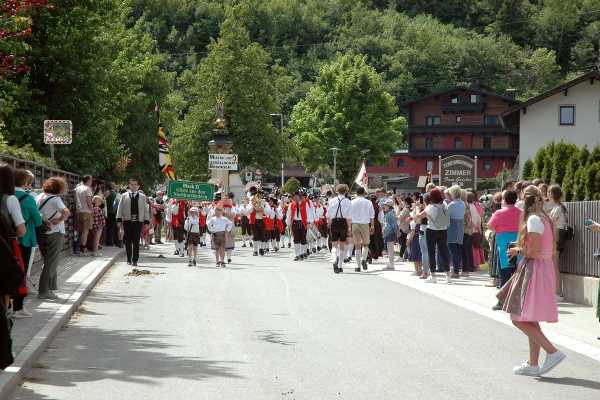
223, 161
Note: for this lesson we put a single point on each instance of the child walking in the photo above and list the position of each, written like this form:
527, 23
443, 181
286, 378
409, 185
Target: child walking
192, 227
98, 223
218, 225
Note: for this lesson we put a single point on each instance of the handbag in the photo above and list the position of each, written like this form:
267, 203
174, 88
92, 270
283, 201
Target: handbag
512, 295
40, 231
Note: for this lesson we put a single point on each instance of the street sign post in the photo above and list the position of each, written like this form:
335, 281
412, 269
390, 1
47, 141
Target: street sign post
194, 191
223, 161
458, 170
58, 132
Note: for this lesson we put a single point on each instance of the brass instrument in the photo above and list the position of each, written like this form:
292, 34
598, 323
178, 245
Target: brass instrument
258, 204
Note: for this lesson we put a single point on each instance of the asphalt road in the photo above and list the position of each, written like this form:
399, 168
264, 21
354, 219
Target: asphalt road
271, 328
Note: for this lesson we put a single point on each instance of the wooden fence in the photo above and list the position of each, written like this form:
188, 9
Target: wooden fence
42, 173
578, 257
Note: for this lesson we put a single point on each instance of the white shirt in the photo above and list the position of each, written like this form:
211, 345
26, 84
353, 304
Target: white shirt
192, 224
14, 210
219, 224
51, 210
279, 212
558, 215
438, 217
535, 224
339, 207
362, 211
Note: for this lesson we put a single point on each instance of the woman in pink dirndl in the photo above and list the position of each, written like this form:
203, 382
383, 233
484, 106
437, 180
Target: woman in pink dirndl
537, 244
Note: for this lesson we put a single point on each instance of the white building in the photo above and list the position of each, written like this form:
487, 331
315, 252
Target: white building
569, 112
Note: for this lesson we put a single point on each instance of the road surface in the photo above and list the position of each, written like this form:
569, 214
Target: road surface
271, 328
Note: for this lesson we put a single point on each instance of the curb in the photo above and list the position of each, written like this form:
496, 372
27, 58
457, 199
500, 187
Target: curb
12, 376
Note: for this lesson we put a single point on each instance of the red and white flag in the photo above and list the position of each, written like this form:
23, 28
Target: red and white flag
362, 179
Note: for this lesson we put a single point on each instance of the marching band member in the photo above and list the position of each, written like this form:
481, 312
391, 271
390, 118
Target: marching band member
257, 204
244, 210
230, 212
192, 227
279, 224
298, 220
202, 223
323, 229
285, 233
340, 224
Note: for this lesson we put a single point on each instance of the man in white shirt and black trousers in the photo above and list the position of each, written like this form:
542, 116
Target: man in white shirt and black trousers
132, 212
363, 217
340, 223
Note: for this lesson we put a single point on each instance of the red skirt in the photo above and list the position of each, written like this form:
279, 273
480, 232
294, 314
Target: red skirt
19, 257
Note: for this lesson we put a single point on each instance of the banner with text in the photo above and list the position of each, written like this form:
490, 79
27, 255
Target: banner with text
194, 191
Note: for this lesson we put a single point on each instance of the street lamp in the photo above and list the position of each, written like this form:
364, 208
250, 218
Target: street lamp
281, 131
335, 151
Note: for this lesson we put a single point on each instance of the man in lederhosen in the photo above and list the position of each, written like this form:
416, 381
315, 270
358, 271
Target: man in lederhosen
133, 211
340, 223
299, 220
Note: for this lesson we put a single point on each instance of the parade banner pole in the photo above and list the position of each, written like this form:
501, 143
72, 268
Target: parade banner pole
439, 171
475, 180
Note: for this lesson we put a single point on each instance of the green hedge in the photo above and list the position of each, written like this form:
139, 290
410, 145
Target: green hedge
576, 169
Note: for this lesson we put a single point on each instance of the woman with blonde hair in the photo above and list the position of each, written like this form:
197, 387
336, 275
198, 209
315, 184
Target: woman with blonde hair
529, 296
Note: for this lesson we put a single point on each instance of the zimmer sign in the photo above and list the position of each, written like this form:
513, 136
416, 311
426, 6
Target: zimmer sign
458, 170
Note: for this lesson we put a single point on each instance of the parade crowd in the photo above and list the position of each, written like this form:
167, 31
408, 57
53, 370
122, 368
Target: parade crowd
446, 233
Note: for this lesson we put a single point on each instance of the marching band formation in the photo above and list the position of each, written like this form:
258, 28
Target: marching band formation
311, 223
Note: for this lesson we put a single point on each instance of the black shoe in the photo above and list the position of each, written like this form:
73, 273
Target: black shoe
357, 269
159, 242
497, 307
244, 245
289, 245
336, 269
229, 261
314, 250
194, 263
222, 264
346, 260
134, 264
370, 260
176, 253
251, 245
340, 270
296, 258
261, 252
255, 254
364, 265
128, 262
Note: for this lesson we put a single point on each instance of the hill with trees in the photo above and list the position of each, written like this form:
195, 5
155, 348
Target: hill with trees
105, 64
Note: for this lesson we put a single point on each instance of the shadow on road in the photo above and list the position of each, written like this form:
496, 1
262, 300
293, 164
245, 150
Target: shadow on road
576, 382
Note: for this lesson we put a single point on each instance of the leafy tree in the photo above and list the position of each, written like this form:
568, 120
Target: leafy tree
562, 153
546, 173
236, 70
528, 170
568, 184
347, 108
538, 163
291, 185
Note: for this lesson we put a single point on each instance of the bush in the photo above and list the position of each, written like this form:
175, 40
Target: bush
291, 185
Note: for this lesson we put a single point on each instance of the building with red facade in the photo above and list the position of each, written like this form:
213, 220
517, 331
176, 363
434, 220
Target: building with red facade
463, 120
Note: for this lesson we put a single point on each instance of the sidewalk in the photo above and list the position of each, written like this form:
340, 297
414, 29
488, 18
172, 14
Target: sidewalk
76, 277
578, 328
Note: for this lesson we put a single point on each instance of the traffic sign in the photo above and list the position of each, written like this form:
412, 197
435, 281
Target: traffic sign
195, 191
223, 161
58, 132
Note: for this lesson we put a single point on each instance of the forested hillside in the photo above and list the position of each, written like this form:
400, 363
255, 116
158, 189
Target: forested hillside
105, 63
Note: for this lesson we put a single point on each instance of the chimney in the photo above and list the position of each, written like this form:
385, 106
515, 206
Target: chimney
512, 93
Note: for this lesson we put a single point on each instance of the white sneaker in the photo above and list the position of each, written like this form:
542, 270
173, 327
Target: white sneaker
22, 314
449, 278
559, 298
551, 361
526, 370
432, 278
